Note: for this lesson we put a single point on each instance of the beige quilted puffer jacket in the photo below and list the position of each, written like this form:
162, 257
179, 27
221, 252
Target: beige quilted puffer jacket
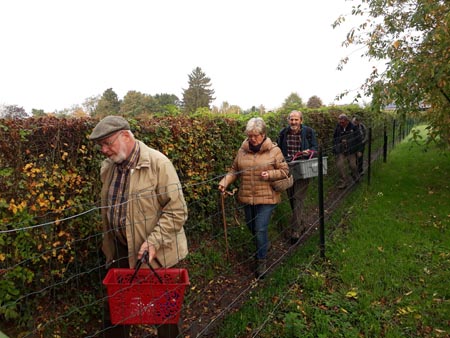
247, 166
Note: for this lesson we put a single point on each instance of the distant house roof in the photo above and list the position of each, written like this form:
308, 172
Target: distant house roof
391, 106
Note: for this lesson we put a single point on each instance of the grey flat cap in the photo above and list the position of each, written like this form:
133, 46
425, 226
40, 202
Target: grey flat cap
108, 126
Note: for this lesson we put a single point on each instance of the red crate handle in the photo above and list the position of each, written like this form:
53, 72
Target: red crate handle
300, 153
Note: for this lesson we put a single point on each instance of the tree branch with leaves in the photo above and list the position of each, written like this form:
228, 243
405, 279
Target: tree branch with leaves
413, 37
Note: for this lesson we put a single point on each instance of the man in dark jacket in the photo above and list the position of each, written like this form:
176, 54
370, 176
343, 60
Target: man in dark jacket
360, 153
297, 141
346, 139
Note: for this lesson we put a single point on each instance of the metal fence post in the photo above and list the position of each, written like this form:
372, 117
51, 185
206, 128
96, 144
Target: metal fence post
321, 207
393, 132
369, 155
385, 144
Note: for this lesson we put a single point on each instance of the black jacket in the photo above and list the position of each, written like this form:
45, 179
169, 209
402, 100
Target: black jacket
346, 141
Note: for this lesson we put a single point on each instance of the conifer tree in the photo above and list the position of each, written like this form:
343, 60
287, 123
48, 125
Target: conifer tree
199, 94
109, 104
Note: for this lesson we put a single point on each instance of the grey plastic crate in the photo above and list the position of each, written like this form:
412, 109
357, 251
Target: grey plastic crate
307, 168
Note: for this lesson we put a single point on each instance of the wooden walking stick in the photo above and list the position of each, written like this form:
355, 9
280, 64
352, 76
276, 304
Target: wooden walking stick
222, 197
224, 218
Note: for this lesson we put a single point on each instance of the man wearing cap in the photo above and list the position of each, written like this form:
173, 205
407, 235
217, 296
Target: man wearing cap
143, 208
346, 139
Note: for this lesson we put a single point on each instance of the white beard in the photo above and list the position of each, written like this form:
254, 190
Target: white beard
120, 156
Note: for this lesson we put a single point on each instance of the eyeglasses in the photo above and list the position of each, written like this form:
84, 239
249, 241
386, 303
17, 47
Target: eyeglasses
110, 142
250, 136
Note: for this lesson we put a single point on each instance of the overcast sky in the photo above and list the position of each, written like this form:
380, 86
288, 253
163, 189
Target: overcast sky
55, 54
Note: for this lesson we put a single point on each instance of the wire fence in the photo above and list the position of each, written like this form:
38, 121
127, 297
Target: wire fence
220, 262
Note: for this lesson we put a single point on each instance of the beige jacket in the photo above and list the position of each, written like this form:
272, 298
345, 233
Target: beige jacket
248, 167
156, 209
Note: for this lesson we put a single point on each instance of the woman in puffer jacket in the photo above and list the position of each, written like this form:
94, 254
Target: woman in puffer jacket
258, 162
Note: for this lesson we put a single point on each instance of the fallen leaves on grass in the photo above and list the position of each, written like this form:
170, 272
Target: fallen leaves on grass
352, 294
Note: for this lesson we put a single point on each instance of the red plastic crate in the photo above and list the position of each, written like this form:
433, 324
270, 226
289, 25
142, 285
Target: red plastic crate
146, 300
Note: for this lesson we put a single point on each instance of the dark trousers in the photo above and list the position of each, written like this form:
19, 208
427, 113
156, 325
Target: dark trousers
297, 195
123, 331
360, 161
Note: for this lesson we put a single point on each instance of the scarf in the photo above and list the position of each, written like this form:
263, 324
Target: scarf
256, 148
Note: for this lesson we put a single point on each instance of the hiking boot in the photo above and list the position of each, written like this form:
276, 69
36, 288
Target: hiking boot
356, 178
261, 267
297, 234
295, 237
294, 240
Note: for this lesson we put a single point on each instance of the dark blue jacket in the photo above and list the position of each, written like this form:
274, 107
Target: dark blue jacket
309, 140
346, 141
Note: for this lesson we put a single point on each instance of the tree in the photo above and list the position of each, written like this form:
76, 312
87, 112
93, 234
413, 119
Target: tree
226, 108
167, 99
90, 104
136, 103
199, 94
77, 111
314, 102
292, 102
413, 36
109, 104
38, 112
262, 109
13, 112
167, 104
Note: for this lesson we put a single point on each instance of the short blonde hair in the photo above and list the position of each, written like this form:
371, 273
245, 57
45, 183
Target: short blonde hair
257, 125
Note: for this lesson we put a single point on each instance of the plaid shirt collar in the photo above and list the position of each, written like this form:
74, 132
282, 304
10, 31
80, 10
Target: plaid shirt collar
131, 161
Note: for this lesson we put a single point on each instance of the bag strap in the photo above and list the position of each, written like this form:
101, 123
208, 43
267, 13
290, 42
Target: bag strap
287, 175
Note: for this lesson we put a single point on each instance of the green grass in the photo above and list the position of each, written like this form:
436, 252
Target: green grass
387, 266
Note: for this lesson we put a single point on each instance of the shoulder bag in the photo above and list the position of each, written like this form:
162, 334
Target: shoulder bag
283, 184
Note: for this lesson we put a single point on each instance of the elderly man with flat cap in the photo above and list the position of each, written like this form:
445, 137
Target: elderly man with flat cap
143, 208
